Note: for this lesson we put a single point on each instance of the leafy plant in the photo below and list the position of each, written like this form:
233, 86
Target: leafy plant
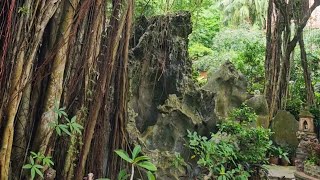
34, 167
236, 150
71, 127
197, 50
283, 154
243, 114
23, 10
248, 11
178, 161
250, 61
279, 152
140, 161
46, 160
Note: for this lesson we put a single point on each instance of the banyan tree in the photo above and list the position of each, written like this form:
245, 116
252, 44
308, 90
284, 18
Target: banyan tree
70, 56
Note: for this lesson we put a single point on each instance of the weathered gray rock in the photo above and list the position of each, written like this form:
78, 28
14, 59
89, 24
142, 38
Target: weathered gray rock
165, 101
159, 64
285, 127
176, 117
260, 106
230, 87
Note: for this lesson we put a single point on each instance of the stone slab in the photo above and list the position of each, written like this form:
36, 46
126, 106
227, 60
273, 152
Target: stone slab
281, 172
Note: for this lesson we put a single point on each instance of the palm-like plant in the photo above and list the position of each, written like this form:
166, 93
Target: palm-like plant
239, 11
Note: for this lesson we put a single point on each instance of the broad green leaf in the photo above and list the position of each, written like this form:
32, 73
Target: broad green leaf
123, 175
141, 158
39, 172
73, 119
150, 176
27, 166
58, 130
47, 161
147, 165
124, 155
64, 128
33, 173
136, 151
38, 166
70, 126
33, 153
77, 125
31, 160
78, 130
64, 113
59, 114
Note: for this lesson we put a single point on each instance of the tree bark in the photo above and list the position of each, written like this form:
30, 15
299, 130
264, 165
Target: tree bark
109, 49
280, 45
55, 86
58, 53
20, 76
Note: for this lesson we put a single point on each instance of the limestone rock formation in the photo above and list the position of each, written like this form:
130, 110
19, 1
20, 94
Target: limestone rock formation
165, 101
230, 87
285, 127
159, 64
260, 106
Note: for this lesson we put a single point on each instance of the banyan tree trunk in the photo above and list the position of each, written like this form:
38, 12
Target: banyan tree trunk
69, 53
281, 42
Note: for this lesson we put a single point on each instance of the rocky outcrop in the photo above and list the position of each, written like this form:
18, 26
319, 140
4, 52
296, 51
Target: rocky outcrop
260, 106
165, 101
159, 65
230, 87
285, 127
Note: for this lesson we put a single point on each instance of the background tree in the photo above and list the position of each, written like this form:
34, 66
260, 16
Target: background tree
249, 11
281, 41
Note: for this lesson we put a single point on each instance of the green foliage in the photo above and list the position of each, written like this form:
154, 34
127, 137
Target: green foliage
235, 149
146, 8
205, 63
250, 62
279, 152
178, 161
243, 114
205, 26
34, 167
197, 50
156, 7
244, 11
46, 160
23, 10
297, 93
243, 46
236, 39
140, 161
70, 128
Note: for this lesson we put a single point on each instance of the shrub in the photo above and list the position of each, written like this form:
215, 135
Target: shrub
313, 153
198, 50
237, 149
250, 62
